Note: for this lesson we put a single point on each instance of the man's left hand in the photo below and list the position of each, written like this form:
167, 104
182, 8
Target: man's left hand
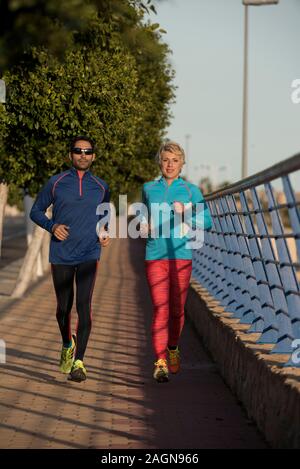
104, 238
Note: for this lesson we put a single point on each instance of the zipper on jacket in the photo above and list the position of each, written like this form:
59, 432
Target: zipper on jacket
166, 190
80, 175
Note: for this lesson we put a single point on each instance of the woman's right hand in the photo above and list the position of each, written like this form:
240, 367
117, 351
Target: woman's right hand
179, 207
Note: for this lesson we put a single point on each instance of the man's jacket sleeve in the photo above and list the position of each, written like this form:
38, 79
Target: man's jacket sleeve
42, 202
106, 200
107, 195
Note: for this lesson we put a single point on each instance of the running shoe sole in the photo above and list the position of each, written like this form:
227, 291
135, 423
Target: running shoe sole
77, 375
161, 378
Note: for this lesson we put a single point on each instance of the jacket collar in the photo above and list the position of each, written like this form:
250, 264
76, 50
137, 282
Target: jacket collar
174, 183
75, 171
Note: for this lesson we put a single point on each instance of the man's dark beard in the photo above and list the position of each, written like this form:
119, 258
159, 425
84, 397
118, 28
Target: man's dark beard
80, 168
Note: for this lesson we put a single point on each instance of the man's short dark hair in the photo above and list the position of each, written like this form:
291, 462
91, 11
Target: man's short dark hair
81, 137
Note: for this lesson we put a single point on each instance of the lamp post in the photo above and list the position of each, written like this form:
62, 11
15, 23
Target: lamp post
247, 3
222, 168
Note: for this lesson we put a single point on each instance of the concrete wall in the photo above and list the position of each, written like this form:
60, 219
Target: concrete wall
270, 393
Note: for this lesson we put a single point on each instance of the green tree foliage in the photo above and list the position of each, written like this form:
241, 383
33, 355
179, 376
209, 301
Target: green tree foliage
48, 23
90, 94
114, 84
144, 42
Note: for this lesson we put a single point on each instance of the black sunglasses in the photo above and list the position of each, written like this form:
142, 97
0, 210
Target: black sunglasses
86, 151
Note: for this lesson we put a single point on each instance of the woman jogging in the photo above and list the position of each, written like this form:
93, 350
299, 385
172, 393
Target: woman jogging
169, 200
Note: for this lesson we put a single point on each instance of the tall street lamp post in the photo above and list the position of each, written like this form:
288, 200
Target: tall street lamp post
247, 3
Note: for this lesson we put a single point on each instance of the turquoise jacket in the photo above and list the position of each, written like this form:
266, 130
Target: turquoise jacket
168, 239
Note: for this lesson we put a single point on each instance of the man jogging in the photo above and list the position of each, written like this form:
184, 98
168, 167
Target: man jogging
75, 247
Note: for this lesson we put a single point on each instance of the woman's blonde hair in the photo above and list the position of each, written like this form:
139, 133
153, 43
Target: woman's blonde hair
172, 147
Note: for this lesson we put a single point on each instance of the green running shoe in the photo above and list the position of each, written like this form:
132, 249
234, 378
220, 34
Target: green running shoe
174, 360
67, 357
78, 371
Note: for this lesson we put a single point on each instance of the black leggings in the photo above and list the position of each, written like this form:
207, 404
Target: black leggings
63, 280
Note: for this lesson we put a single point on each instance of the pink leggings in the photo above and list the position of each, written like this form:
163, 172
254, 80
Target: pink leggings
168, 280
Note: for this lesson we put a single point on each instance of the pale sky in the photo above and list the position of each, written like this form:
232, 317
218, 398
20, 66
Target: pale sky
206, 37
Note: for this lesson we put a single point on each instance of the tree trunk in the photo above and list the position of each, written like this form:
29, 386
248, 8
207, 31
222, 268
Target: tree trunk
46, 245
45, 252
29, 263
3, 201
28, 203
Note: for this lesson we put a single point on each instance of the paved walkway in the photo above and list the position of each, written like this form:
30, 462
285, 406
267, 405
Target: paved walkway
119, 406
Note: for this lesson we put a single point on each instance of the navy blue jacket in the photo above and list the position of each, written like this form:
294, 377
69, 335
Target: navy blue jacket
75, 201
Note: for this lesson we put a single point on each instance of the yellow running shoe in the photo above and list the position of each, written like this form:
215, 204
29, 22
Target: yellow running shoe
78, 372
67, 357
174, 360
161, 372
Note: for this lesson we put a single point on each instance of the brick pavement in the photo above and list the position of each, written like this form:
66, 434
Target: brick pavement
119, 406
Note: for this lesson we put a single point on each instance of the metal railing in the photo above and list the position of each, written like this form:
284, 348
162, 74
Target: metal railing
250, 258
